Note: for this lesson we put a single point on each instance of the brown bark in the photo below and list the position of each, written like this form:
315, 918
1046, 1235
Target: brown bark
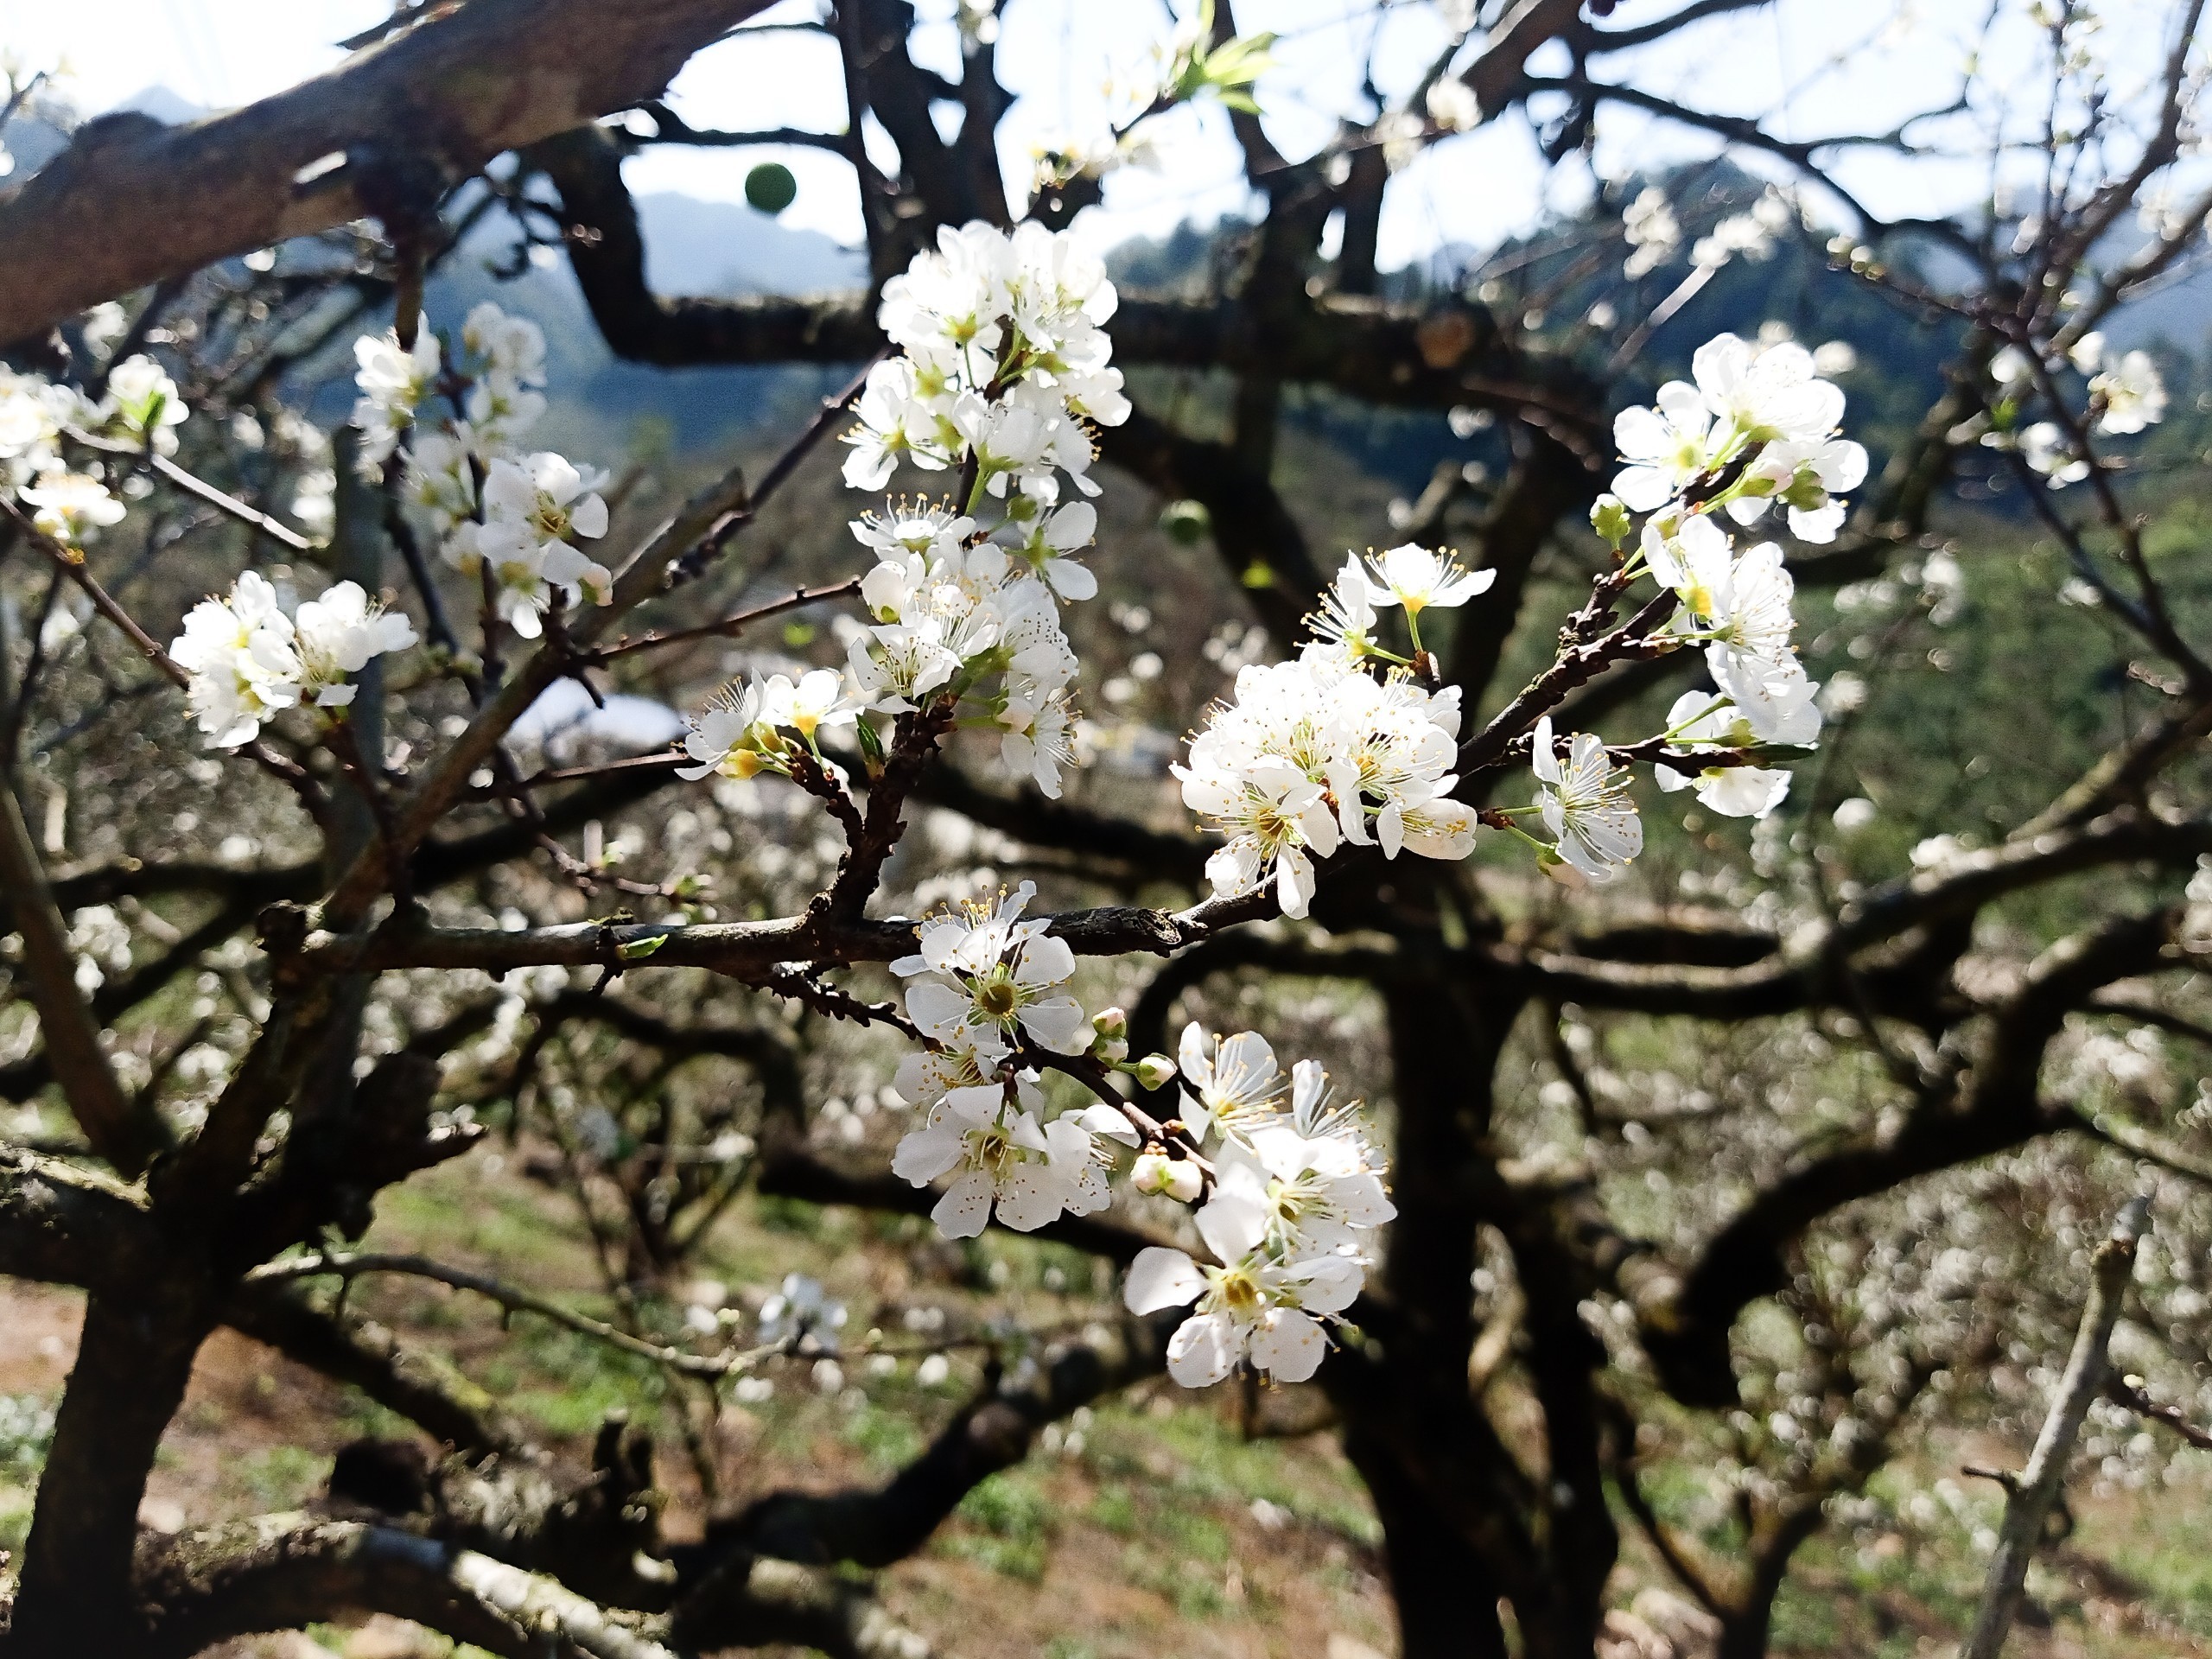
134, 201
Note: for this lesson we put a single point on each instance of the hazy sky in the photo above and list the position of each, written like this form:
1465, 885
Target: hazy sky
1902, 56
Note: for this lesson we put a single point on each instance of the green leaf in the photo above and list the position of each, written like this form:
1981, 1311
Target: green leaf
638, 950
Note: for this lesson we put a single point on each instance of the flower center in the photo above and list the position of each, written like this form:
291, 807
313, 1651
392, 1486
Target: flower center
1238, 1291
997, 998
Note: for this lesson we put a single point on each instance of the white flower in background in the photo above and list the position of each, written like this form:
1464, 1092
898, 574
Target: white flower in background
499, 415
71, 507
146, 401
2047, 449
1419, 580
1701, 719
31, 412
336, 635
1002, 1160
510, 349
239, 655
987, 980
1652, 232
1584, 804
1453, 106
1667, 447
440, 480
2129, 395
1234, 1080
1253, 1306
802, 1313
393, 384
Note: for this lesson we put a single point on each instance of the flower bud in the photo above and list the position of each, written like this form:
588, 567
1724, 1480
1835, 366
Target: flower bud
1155, 1070
1112, 1043
1175, 1178
1609, 518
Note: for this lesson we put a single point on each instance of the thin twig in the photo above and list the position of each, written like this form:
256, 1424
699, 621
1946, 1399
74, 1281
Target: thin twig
345, 1265
2030, 1496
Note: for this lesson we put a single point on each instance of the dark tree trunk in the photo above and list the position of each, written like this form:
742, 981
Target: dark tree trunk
133, 1362
1447, 1596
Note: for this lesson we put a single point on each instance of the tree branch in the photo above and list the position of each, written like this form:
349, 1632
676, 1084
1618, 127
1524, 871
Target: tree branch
462, 85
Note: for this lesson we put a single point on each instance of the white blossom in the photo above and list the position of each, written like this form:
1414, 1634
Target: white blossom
1419, 580
2129, 395
71, 507
740, 732
393, 384
336, 635
1584, 804
1703, 719
1254, 1305
146, 401
239, 655
1652, 232
1002, 1160
984, 980
1315, 751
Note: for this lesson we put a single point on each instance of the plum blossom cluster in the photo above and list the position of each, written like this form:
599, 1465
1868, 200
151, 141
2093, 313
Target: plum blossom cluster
2126, 396
252, 655
1290, 1224
1756, 427
985, 988
1002, 371
513, 517
1321, 751
1003, 359
72, 503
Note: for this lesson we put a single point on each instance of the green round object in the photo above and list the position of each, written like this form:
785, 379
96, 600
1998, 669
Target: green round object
1185, 521
771, 188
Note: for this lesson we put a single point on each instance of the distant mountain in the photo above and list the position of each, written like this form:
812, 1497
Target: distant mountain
727, 250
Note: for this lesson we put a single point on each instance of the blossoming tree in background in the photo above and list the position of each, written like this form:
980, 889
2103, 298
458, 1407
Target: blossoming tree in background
1428, 776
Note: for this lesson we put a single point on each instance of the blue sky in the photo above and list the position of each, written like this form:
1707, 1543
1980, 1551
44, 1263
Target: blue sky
1815, 66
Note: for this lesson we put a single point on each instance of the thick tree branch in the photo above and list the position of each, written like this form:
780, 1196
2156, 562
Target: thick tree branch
406, 118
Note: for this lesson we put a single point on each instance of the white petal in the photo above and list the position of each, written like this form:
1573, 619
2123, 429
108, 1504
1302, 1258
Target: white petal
965, 1207
1204, 1349
1161, 1278
1288, 1345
